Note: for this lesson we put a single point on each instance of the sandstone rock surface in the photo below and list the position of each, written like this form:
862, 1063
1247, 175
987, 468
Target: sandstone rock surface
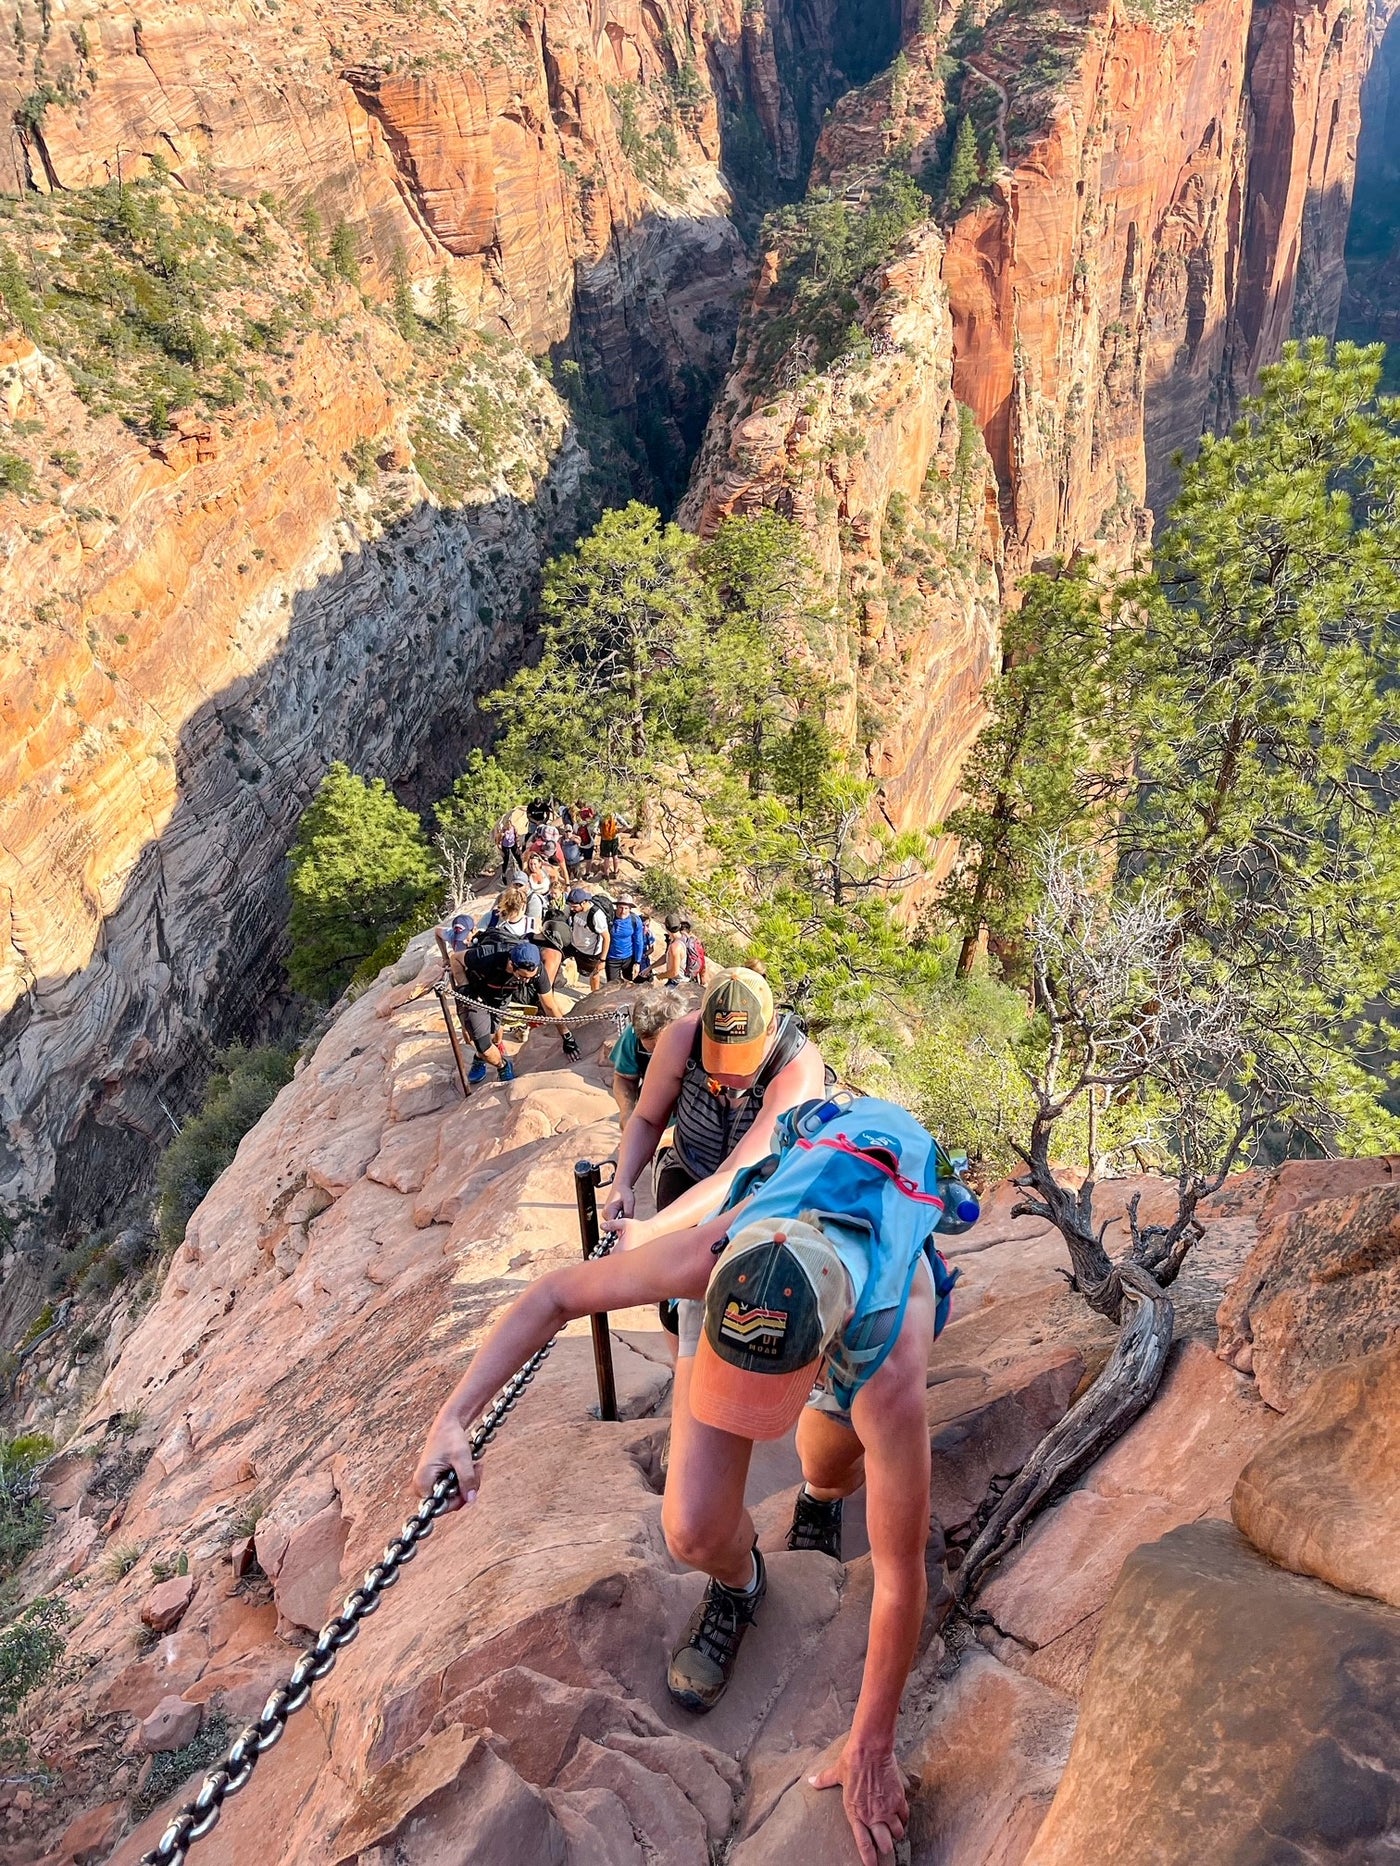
171, 1725
1322, 1284
1322, 1494
164, 1606
1233, 1713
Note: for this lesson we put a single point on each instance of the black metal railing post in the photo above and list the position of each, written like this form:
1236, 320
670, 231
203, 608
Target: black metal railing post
588, 1176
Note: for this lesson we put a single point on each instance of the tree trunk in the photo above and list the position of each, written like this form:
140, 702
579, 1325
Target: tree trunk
1122, 1391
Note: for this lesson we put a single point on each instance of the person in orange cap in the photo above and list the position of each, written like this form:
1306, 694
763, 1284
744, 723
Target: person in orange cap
812, 1298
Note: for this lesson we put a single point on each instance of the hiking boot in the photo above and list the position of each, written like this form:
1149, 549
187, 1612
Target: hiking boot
701, 1664
816, 1525
477, 1073
507, 1071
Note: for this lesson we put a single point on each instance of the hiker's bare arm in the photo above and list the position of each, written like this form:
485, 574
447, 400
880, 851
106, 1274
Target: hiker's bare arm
803, 1078
676, 1265
655, 1106
890, 1421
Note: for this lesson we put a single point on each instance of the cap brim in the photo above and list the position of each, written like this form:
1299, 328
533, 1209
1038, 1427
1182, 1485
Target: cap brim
750, 1405
733, 1059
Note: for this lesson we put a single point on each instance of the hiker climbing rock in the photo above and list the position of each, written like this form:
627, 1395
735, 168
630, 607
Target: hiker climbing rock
722, 1075
632, 1052
499, 973
812, 1297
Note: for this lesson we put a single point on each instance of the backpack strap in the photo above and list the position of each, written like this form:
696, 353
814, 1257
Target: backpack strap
791, 1040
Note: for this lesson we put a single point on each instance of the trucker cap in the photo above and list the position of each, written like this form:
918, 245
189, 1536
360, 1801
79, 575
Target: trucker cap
778, 1297
736, 1021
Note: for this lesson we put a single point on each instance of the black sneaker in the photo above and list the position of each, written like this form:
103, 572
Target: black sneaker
816, 1525
701, 1664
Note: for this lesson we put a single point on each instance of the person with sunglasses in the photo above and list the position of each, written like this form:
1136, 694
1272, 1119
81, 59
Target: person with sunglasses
719, 1077
812, 1297
500, 973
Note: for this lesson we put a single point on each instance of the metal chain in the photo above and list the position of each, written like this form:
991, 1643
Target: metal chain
617, 1015
200, 1816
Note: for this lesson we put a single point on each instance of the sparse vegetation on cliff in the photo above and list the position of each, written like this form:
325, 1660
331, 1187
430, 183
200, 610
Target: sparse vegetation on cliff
239, 1093
157, 301
829, 246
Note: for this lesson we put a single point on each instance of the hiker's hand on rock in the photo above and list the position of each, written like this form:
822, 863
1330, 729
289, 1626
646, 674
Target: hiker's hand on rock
448, 1448
872, 1791
622, 1204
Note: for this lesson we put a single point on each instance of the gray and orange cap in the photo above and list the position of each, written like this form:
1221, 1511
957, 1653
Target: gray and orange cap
777, 1299
736, 1020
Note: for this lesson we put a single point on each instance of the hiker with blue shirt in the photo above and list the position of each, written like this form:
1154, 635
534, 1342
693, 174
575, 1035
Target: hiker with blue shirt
812, 1297
629, 951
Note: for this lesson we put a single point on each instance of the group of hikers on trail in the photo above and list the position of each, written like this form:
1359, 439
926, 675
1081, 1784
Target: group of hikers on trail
506, 969
793, 1259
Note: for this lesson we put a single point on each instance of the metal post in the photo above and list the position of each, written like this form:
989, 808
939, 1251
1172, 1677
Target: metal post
587, 1179
454, 1038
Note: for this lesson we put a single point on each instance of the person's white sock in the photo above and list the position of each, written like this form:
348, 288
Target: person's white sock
751, 1586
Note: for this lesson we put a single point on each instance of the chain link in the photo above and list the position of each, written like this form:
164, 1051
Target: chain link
200, 1816
506, 1012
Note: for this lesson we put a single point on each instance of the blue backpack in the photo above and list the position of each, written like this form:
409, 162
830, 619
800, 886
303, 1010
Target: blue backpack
880, 1187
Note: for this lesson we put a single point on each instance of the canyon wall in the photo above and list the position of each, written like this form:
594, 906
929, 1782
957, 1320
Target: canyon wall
1166, 200
228, 610
201, 613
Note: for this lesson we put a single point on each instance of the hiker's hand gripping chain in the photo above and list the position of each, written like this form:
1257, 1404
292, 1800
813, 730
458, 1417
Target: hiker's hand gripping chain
201, 1816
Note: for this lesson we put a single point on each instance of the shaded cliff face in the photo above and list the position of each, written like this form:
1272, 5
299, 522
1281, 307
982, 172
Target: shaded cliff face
195, 627
1371, 304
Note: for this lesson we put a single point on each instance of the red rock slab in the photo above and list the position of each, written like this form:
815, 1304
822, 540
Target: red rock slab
165, 1604
992, 1746
1322, 1495
1234, 1714
88, 1839
452, 1801
1321, 1285
1176, 1464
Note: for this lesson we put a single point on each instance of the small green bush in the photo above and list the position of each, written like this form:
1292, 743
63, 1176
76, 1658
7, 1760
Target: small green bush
235, 1097
23, 1515
16, 474
30, 1649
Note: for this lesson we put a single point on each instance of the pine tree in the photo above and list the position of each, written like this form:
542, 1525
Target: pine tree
445, 306
1036, 768
361, 869
344, 253
965, 169
405, 313
621, 660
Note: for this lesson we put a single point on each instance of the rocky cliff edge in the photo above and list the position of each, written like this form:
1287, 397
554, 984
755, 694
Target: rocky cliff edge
253, 1438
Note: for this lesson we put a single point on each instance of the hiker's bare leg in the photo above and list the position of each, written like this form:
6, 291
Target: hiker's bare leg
833, 1461
703, 1513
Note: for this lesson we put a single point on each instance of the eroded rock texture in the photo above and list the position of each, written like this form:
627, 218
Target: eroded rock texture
1233, 1713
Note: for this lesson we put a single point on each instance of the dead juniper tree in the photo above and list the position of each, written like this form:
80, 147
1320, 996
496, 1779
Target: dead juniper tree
1145, 1051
